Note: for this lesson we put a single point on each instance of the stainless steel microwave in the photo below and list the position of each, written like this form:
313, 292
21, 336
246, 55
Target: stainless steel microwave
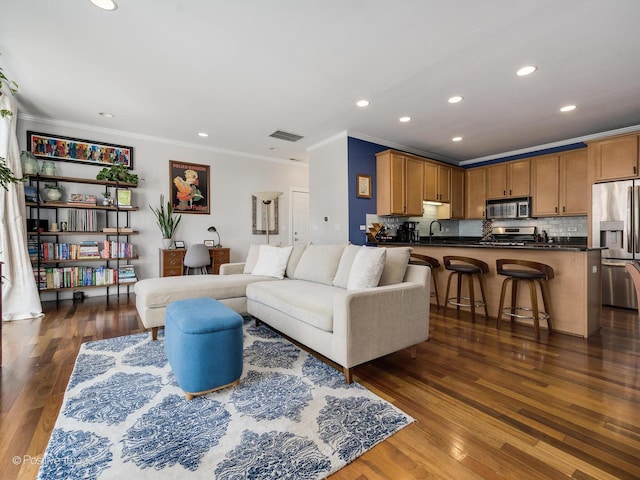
508, 208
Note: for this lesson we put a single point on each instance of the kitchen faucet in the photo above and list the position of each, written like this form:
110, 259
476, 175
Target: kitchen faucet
431, 229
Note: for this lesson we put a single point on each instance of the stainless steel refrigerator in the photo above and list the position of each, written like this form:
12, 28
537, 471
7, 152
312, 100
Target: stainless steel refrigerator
616, 225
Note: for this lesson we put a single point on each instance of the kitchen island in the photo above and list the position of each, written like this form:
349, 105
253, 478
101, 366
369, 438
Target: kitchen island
575, 290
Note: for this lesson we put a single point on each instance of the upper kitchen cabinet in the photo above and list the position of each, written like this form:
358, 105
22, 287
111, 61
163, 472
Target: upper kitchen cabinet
400, 184
476, 193
457, 193
437, 182
560, 184
509, 179
615, 158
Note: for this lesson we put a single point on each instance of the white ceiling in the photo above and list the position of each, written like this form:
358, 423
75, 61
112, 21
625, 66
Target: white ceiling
241, 69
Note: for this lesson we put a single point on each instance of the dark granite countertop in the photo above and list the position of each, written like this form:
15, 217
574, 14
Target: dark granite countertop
475, 243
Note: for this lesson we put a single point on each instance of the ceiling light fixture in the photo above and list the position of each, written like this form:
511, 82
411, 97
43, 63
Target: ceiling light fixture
455, 99
405, 119
203, 134
106, 114
528, 70
456, 139
109, 5
362, 103
568, 108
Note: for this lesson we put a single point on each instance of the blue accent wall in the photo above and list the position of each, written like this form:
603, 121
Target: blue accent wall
537, 153
362, 159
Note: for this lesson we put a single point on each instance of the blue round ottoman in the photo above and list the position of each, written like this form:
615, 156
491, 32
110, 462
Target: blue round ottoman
203, 342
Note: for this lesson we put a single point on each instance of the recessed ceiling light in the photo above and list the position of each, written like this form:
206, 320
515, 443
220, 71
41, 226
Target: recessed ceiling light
106, 114
362, 103
456, 139
568, 108
528, 70
105, 4
405, 119
455, 99
274, 149
203, 134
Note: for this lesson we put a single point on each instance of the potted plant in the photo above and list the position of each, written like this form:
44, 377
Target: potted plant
117, 173
6, 175
108, 199
166, 221
54, 192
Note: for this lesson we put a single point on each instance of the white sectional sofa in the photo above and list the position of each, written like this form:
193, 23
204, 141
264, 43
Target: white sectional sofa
328, 299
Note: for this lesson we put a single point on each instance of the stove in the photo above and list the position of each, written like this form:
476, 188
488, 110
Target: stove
511, 236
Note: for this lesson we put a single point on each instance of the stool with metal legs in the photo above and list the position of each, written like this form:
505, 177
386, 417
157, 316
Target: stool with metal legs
434, 264
533, 273
470, 268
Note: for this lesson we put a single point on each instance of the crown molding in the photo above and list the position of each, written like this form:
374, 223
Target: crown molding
151, 138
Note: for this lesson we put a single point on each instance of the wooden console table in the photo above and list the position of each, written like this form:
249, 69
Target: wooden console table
172, 260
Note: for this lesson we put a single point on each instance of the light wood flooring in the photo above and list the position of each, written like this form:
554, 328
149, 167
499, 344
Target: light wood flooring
489, 404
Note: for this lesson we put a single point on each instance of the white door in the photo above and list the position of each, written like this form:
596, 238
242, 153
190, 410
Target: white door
299, 217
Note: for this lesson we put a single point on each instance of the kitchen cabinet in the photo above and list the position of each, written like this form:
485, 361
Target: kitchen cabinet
437, 182
560, 184
457, 193
615, 158
400, 184
475, 193
508, 179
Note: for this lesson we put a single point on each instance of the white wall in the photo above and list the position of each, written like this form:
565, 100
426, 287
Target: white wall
233, 179
329, 193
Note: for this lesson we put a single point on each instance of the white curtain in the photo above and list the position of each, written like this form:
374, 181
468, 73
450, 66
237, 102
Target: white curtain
20, 299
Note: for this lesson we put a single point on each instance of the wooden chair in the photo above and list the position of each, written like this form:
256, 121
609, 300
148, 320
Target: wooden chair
434, 264
634, 270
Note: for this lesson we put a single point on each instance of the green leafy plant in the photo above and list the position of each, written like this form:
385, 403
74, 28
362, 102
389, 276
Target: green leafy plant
11, 86
6, 175
117, 173
165, 219
53, 186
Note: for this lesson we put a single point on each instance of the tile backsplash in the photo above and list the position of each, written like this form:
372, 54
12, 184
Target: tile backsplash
554, 226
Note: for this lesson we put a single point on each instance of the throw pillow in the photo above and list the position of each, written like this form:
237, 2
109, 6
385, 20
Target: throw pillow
252, 258
296, 255
395, 265
367, 268
344, 267
272, 261
319, 263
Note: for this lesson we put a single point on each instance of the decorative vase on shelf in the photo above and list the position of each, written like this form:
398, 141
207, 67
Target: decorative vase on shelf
48, 168
53, 194
166, 243
29, 163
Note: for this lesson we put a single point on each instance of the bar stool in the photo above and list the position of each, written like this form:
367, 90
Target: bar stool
469, 267
533, 273
434, 264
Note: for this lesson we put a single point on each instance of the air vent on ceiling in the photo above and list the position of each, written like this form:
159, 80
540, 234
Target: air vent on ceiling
288, 136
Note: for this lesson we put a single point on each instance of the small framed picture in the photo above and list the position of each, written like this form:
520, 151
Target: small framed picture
363, 185
210, 243
178, 244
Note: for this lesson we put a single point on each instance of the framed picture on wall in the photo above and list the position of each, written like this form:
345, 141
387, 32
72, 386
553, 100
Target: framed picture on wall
90, 152
363, 186
189, 187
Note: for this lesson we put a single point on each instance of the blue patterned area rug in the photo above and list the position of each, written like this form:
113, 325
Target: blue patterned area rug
292, 416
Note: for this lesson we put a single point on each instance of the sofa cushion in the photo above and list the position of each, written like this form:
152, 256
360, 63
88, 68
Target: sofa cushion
294, 259
319, 263
367, 268
308, 302
252, 258
395, 265
344, 266
272, 261
159, 292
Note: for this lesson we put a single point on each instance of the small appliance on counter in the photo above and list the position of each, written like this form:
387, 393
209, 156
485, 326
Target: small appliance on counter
409, 232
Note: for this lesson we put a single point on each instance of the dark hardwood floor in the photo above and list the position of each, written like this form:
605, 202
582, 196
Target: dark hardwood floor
488, 404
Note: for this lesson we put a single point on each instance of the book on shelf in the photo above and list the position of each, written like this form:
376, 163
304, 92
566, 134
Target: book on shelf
117, 230
82, 199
